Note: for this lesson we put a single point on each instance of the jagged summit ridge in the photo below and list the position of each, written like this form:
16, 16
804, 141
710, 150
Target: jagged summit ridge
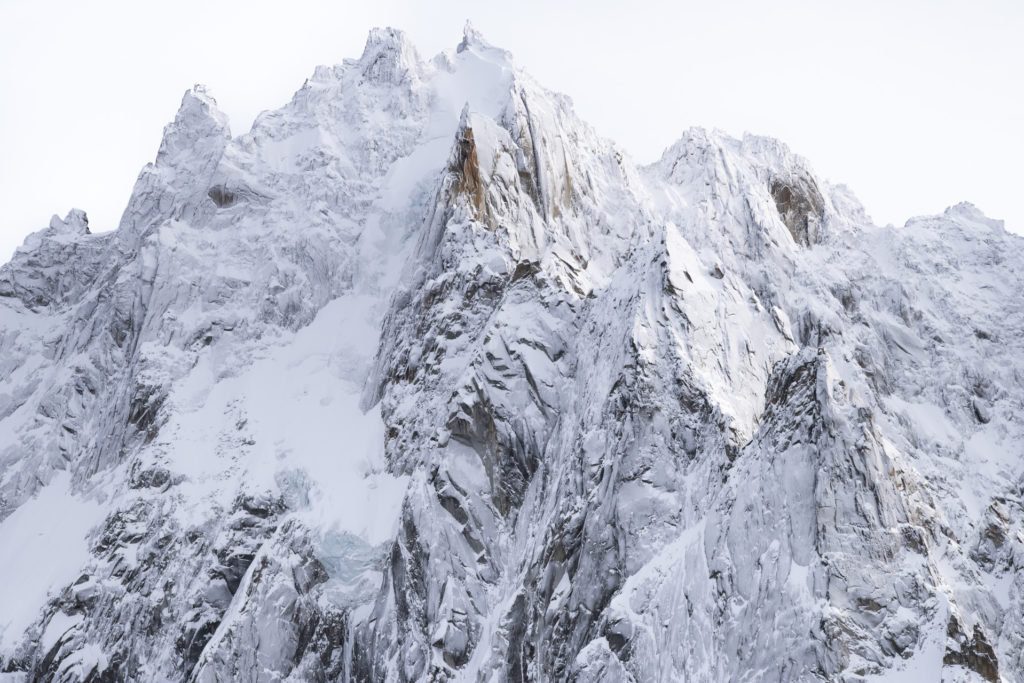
388, 56
473, 39
198, 123
75, 223
422, 379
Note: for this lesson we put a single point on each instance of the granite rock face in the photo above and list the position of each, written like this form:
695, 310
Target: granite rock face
422, 379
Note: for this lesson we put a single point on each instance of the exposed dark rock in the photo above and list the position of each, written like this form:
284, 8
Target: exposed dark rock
800, 206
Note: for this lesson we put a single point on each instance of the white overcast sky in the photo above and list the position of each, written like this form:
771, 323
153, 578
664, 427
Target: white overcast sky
915, 105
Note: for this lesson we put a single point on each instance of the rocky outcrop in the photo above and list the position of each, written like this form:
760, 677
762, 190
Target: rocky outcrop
800, 206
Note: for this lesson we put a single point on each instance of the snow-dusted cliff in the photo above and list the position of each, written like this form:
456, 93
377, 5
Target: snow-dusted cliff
422, 379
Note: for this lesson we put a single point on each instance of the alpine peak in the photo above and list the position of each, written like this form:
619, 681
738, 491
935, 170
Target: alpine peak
423, 379
388, 56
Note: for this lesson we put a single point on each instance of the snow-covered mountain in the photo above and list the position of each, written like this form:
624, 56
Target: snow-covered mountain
422, 379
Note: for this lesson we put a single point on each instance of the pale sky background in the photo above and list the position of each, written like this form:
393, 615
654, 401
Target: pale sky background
916, 105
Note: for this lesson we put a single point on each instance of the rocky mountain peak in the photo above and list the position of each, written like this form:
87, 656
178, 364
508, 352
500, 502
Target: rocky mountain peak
198, 126
388, 56
972, 213
75, 223
471, 37
473, 41
423, 379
